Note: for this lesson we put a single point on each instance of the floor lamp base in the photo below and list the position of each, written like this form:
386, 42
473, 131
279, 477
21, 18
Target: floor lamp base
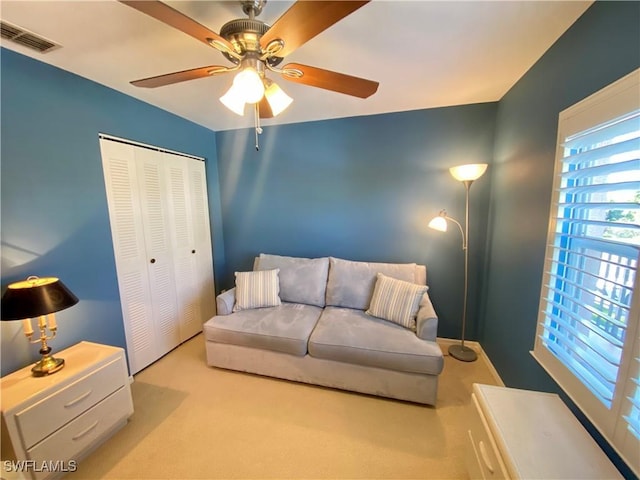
462, 353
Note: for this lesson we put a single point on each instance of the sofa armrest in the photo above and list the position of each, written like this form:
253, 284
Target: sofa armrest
225, 302
427, 320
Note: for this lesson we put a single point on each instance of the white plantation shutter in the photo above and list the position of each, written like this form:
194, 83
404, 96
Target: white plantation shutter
587, 333
628, 437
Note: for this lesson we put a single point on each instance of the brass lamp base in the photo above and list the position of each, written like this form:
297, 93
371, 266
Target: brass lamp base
47, 364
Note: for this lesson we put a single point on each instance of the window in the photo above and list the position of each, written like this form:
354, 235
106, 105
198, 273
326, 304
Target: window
588, 333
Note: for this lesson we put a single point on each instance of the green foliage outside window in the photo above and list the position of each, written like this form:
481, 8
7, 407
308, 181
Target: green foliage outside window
622, 216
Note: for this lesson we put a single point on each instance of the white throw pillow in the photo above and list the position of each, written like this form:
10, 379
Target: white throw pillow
396, 301
257, 289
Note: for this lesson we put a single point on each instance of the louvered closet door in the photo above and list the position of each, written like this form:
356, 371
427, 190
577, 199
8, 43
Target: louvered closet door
202, 239
162, 242
156, 225
130, 252
184, 248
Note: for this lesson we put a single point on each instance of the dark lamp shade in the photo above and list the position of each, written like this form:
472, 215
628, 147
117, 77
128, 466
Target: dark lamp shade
34, 297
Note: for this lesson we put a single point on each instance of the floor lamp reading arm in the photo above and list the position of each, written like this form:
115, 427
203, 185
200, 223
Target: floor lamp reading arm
464, 237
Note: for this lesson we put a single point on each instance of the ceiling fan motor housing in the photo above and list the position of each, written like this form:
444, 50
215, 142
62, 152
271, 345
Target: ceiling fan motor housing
244, 34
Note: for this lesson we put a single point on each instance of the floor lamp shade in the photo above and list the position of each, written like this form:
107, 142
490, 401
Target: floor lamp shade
440, 222
468, 173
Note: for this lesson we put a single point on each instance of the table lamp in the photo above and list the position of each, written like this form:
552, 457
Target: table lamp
38, 297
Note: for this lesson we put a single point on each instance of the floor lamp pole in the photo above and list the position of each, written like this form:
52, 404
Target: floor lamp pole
461, 352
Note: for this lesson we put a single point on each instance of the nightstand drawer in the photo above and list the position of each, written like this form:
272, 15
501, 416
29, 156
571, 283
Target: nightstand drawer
49, 414
83, 432
482, 449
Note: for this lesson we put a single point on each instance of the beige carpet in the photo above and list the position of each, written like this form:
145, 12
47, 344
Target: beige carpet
196, 422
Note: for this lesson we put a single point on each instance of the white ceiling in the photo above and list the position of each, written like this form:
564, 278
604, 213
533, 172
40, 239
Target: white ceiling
424, 53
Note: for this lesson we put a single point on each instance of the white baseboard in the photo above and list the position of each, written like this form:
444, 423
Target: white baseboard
445, 343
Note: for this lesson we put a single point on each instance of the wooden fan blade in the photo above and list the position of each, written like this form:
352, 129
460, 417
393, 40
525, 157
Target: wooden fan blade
264, 108
170, 16
176, 77
334, 81
306, 19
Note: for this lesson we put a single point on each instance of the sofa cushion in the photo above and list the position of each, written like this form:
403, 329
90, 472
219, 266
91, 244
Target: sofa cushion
351, 336
350, 284
285, 328
396, 301
257, 290
302, 280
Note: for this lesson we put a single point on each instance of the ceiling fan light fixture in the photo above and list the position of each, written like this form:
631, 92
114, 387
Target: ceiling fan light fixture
278, 100
234, 100
249, 83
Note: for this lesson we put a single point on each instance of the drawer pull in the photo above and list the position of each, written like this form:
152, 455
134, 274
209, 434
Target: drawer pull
77, 400
485, 456
86, 430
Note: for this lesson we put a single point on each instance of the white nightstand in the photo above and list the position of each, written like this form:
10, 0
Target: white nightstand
525, 434
49, 423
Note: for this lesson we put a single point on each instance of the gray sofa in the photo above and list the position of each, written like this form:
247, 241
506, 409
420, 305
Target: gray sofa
321, 334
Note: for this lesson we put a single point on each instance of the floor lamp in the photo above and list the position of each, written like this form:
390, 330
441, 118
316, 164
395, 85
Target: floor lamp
465, 174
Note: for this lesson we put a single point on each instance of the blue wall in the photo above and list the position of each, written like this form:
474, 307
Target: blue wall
361, 188
601, 47
55, 220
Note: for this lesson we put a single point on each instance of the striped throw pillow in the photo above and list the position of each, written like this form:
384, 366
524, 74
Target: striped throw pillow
257, 289
396, 301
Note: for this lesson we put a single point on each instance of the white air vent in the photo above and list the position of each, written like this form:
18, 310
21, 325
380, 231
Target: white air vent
28, 39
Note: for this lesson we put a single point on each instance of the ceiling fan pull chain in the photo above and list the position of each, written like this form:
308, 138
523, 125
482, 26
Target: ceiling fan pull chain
256, 111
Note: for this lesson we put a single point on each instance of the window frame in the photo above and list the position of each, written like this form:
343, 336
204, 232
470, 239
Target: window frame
609, 103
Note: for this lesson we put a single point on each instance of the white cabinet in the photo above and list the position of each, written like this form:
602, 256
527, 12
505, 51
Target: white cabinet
525, 434
159, 216
49, 423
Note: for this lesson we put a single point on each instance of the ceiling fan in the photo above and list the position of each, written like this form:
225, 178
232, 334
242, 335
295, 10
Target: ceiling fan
255, 48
